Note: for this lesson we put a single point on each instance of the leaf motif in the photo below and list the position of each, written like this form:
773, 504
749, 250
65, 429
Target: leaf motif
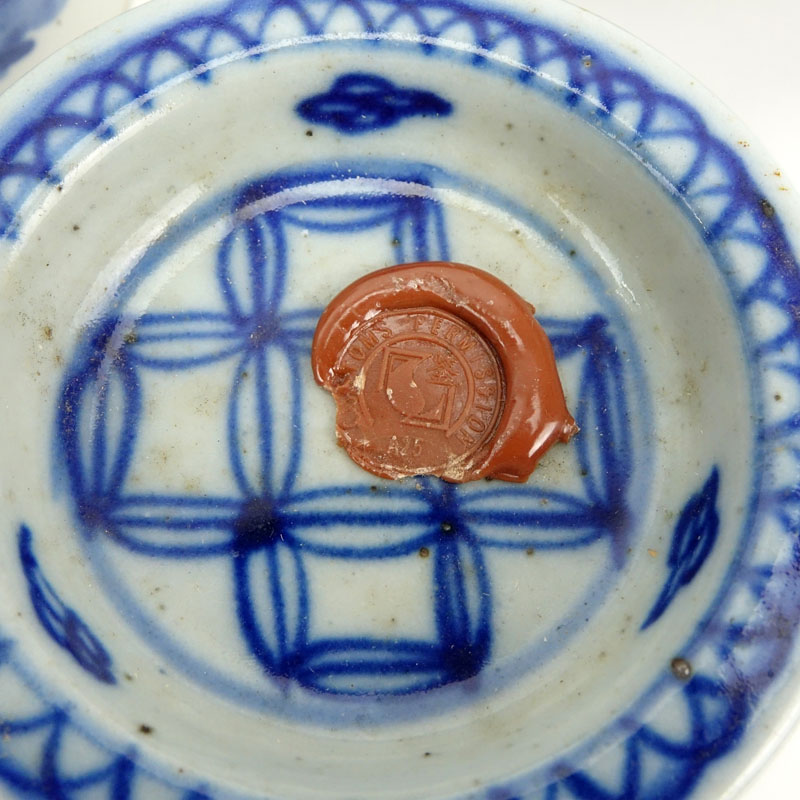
97, 419
264, 432
63, 624
360, 522
462, 605
251, 269
523, 517
692, 541
173, 527
272, 604
365, 665
183, 340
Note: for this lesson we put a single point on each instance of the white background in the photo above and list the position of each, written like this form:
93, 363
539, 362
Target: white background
746, 52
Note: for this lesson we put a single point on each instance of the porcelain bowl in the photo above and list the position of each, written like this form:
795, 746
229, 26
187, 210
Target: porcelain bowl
202, 596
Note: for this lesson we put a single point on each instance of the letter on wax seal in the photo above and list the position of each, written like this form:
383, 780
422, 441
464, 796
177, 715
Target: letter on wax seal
440, 369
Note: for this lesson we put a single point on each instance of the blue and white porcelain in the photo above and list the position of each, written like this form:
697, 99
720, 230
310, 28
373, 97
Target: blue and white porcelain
203, 597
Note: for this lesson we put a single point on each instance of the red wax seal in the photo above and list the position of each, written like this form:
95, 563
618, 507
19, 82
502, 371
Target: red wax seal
440, 369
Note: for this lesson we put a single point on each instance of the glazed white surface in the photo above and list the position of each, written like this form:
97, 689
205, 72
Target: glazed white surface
713, 40
746, 54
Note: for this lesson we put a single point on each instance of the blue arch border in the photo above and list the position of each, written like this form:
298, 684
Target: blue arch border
714, 186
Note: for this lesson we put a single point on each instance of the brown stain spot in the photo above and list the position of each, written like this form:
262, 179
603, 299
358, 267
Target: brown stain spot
424, 552
529, 552
47, 332
76, 227
652, 553
778, 398
309, 133
131, 337
127, 676
767, 209
681, 668
145, 729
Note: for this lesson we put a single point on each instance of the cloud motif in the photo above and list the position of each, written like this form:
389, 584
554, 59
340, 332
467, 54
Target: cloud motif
360, 103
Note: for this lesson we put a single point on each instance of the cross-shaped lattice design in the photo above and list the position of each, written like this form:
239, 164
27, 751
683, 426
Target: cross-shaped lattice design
271, 525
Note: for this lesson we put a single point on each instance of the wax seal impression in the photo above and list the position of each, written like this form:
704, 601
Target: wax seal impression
440, 369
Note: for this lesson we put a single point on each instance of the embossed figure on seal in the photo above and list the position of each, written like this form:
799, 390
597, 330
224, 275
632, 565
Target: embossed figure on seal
430, 391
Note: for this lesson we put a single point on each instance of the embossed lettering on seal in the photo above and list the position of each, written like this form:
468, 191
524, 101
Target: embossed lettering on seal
421, 391
440, 369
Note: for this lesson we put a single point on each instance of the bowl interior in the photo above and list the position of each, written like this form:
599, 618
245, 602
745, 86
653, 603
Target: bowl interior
248, 583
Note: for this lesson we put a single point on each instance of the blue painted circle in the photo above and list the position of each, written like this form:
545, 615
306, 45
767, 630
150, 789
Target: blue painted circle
337, 681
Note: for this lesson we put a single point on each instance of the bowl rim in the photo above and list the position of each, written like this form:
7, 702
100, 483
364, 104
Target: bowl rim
35, 96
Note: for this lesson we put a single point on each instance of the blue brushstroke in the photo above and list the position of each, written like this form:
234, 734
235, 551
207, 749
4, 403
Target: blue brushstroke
266, 527
62, 623
17, 19
360, 102
692, 541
